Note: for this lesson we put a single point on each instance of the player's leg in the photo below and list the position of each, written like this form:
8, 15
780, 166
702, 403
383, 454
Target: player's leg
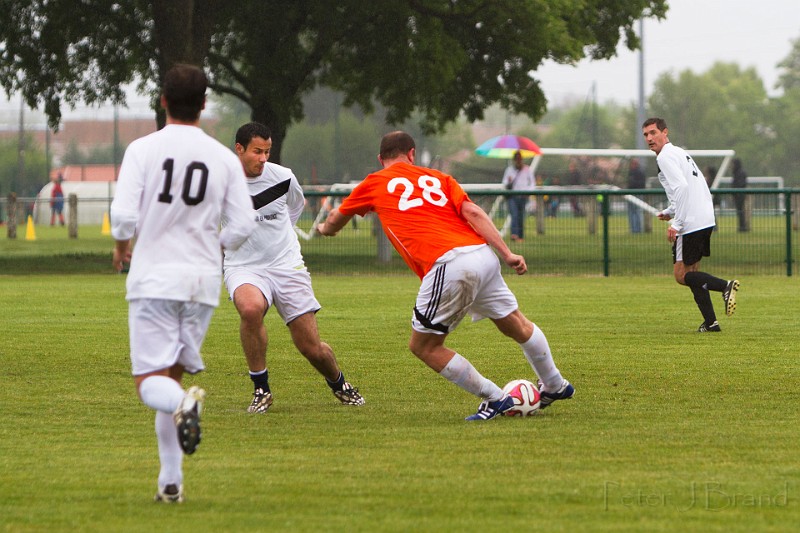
430, 349
305, 335
252, 306
537, 352
444, 298
158, 365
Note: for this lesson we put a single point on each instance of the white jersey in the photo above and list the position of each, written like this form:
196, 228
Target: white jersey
278, 200
520, 180
690, 203
174, 187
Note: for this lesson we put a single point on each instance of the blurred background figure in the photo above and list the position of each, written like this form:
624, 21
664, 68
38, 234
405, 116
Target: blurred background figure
636, 180
57, 202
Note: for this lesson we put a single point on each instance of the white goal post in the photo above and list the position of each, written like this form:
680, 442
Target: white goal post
726, 155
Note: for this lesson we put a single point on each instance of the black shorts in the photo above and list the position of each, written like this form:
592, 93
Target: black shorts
692, 247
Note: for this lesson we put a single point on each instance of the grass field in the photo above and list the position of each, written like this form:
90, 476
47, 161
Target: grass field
669, 429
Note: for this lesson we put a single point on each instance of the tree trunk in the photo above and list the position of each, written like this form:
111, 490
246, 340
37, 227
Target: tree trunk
182, 32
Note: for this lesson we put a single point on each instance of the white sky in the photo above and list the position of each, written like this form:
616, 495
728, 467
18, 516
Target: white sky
695, 34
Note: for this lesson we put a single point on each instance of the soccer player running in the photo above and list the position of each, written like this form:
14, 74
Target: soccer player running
174, 187
444, 238
268, 270
691, 210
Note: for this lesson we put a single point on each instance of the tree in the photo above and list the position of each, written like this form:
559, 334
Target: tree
785, 113
440, 58
725, 107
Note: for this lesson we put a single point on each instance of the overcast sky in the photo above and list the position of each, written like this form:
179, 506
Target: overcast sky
695, 34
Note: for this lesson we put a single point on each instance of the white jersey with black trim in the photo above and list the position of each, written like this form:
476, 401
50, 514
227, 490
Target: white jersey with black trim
174, 188
690, 202
278, 200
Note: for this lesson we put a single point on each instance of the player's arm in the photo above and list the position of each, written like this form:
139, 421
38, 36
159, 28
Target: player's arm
333, 223
482, 224
295, 200
679, 188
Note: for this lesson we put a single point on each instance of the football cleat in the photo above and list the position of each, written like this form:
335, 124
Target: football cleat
729, 296
349, 395
170, 494
488, 410
187, 419
565, 392
262, 401
709, 328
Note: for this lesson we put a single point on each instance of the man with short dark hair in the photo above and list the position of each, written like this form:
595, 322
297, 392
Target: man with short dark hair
445, 239
268, 270
691, 211
174, 187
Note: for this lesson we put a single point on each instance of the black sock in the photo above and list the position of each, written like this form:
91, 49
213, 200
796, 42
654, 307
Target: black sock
338, 384
703, 301
261, 380
701, 279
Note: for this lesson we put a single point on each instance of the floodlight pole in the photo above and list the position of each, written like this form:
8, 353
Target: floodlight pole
640, 109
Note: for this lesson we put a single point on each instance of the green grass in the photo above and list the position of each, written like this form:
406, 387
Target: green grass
669, 429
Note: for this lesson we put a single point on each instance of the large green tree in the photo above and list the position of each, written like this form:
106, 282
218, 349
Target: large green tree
438, 57
785, 109
725, 107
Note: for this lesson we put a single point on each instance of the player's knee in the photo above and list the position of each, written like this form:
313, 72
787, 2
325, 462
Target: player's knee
251, 313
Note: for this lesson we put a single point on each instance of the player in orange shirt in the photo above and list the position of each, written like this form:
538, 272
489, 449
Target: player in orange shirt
445, 239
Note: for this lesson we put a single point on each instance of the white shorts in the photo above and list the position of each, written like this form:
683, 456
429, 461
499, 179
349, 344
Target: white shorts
288, 290
167, 332
470, 282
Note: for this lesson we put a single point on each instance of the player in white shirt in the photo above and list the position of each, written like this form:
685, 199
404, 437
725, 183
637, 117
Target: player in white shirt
691, 211
174, 187
268, 270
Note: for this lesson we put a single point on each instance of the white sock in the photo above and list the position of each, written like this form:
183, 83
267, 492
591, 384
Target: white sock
461, 372
161, 393
537, 352
169, 450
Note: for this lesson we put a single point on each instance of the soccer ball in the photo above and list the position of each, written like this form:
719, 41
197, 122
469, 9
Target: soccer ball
525, 395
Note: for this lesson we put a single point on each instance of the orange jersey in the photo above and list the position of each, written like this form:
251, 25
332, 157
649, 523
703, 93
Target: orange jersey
420, 210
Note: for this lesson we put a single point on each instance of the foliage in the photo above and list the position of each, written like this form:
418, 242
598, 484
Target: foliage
439, 58
96, 155
34, 175
725, 107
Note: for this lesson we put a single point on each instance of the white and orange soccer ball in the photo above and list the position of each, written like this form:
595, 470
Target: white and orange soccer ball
526, 397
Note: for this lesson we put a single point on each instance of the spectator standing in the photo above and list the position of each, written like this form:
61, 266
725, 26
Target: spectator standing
574, 180
57, 201
636, 180
740, 182
518, 177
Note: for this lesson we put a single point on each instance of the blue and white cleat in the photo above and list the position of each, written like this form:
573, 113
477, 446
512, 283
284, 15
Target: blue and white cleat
565, 392
488, 410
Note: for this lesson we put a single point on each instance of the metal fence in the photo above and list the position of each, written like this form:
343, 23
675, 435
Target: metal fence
568, 232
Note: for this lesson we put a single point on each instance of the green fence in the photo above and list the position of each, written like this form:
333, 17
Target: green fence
599, 243
557, 242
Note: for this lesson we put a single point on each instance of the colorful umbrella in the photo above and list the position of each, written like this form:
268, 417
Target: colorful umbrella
504, 146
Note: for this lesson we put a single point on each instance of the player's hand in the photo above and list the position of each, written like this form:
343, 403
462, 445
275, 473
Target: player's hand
517, 262
120, 257
322, 230
672, 234
664, 216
